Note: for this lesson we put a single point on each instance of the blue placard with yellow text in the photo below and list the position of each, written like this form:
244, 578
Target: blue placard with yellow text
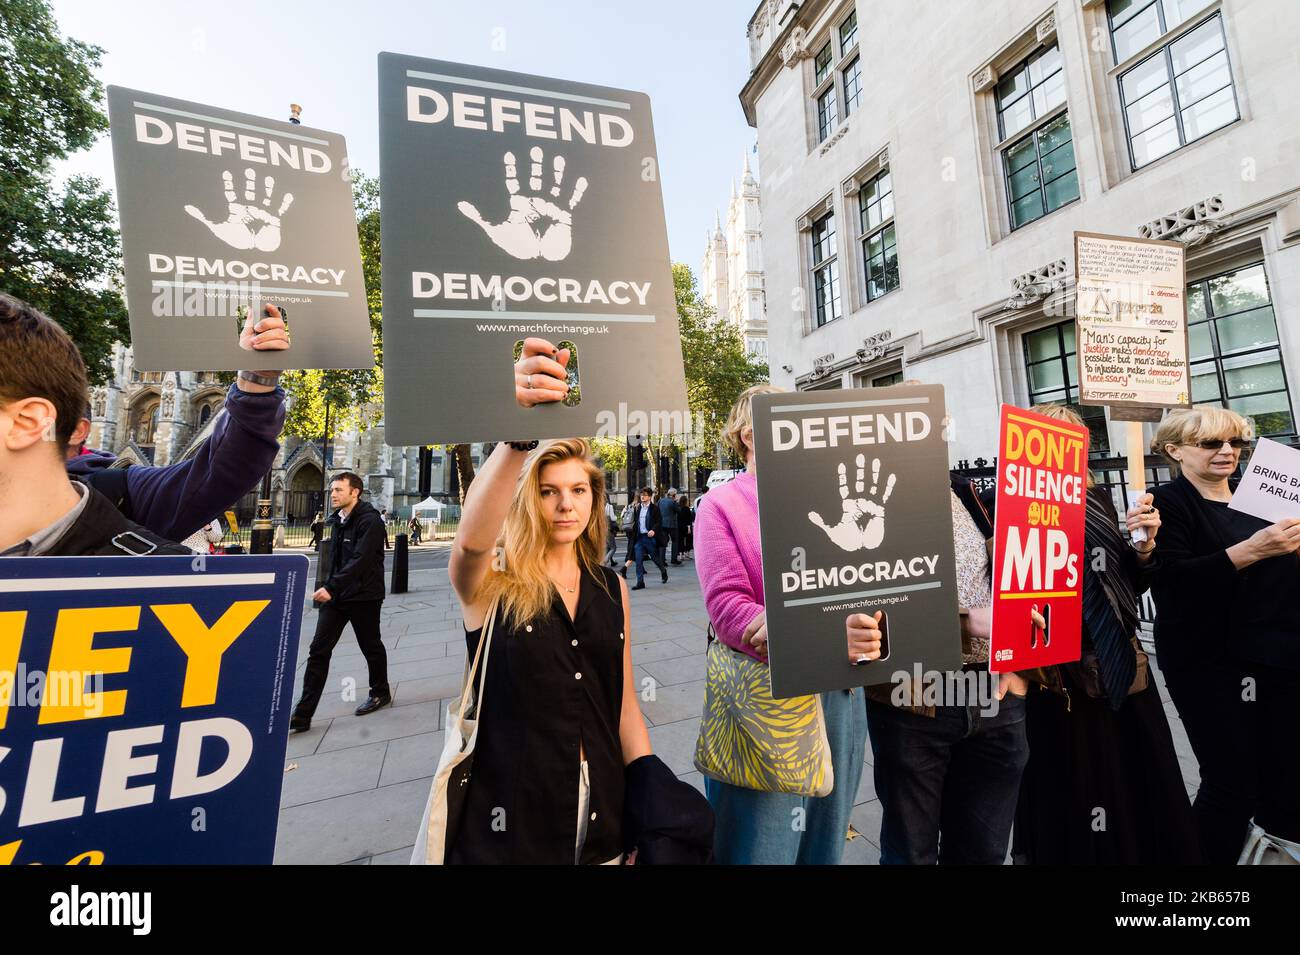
144, 707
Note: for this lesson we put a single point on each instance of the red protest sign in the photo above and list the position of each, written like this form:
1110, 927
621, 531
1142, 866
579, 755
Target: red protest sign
1038, 551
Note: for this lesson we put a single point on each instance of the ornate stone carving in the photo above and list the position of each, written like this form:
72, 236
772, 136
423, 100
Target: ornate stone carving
1046, 28
795, 48
99, 402
822, 365
984, 79
835, 137
1190, 226
875, 346
1034, 286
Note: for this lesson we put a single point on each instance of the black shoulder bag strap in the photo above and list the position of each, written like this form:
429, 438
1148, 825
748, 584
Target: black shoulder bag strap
112, 483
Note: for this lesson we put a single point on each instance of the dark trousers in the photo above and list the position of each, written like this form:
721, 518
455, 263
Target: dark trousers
1242, 724
645, 547
676, 534
947, 784
330, 621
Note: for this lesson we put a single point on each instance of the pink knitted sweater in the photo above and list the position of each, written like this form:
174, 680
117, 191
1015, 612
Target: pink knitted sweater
729, 558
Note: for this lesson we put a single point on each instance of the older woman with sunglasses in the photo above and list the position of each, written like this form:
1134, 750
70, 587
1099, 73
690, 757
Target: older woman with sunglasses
1234, 676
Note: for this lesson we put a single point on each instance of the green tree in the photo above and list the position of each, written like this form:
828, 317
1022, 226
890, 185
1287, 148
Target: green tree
354, 396
59, 248
717, 367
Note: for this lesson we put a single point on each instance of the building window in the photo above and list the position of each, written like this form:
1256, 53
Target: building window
1051, 366
1178, 94
1038, 168
837, 76
1233, 349
826, 115
879, 242
825, 270
852, 85
884, 381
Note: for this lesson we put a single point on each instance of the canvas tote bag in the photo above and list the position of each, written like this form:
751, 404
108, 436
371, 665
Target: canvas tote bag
450, 782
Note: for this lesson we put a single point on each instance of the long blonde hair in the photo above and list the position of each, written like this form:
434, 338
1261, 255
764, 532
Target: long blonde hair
518, 575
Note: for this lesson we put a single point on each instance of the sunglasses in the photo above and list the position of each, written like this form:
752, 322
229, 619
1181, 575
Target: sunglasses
1237, 444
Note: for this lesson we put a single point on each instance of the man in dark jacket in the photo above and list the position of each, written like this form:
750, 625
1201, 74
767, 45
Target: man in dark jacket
353, 592
179, 499
646, 527
668, 514
42, 393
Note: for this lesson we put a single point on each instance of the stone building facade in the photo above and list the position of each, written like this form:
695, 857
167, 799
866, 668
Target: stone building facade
926, 165
163, 417
731, 276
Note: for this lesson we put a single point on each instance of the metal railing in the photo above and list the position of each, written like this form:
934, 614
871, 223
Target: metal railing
1110, 473
298, 533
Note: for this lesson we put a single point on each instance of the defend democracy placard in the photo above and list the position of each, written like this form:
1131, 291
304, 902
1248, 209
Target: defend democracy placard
855, 515
144, 706
518, 207
1038, 541
221, 210
1131, 313
1270, 486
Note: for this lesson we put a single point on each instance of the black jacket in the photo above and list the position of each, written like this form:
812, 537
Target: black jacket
356, 555
102, 531
668, 821
653, 523
1195, 577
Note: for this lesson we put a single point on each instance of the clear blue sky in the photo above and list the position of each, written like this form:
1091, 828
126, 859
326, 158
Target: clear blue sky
690, 57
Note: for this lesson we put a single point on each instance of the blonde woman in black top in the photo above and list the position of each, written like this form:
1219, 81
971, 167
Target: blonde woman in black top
559, 719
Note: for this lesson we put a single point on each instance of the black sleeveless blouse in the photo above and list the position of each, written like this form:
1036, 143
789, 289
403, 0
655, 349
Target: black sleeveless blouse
554, 688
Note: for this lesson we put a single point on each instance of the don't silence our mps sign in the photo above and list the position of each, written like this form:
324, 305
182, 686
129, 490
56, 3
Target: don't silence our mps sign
144, 706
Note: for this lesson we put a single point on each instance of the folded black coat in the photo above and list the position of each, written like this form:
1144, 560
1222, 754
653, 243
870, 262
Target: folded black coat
668, 822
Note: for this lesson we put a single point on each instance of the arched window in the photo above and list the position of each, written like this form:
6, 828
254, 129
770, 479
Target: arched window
144, 423
204, 414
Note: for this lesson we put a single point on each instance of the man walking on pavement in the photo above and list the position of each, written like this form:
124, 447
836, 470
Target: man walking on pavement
646, 529
668, 513
353, 593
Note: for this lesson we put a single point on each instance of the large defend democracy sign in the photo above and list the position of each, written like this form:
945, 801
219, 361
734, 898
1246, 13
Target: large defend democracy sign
519, 207
144, 706
1132, 320
1038, 541
223, 210
855, 516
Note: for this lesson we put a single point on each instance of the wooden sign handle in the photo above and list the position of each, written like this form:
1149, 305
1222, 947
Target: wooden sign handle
1137, 470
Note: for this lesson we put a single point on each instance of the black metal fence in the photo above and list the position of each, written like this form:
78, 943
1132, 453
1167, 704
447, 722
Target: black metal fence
298, 533
1109, 473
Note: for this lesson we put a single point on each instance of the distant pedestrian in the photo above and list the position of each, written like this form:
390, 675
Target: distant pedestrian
611, 543
317, 530
413, 528
668, 513
353, 593
383, 516
686, 526
646, 527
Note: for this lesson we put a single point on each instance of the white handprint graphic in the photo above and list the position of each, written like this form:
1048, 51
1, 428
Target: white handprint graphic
536, 226
862, 523
248, 225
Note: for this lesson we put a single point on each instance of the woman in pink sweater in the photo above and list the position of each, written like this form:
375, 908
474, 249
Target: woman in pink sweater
754, 827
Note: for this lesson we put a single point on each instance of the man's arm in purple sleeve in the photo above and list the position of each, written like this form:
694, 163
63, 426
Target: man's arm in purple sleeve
728, 596
177, 500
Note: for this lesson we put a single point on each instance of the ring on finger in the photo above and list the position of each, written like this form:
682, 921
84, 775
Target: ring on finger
863, 658
528, 382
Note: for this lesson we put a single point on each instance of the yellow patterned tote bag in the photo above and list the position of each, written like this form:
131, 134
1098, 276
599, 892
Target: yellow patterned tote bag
749, 739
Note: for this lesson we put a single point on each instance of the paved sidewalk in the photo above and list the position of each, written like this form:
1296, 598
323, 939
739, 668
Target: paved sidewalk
355, 787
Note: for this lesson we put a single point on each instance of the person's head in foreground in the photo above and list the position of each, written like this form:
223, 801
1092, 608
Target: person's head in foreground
738, 433
552, 508
1203, 443
42, 396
